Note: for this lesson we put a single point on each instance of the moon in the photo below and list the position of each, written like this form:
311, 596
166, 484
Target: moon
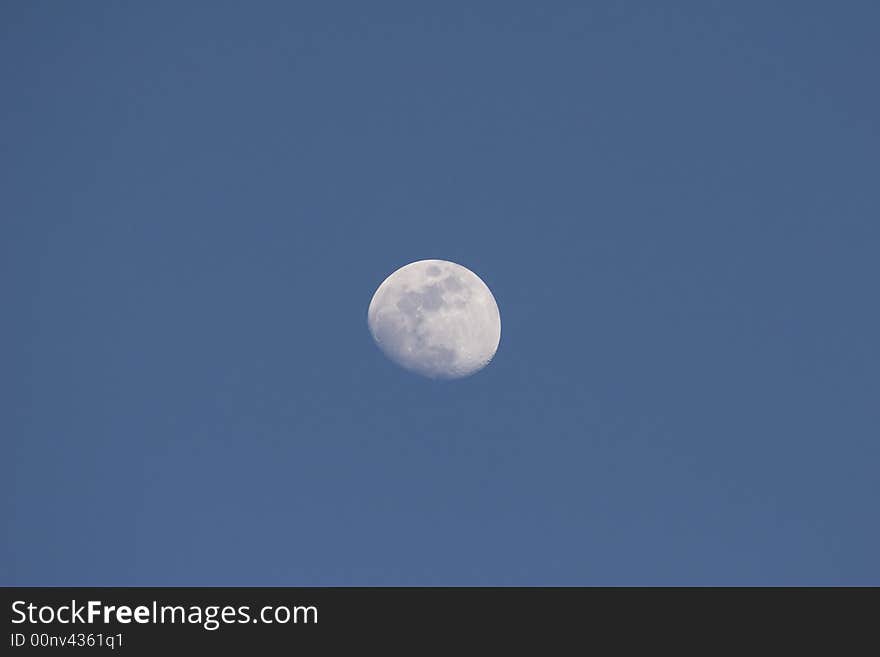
435, 318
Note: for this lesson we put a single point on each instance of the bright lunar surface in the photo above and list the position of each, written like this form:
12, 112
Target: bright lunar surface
436, 318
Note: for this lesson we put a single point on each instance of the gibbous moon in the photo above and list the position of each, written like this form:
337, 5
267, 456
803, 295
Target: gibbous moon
436, 318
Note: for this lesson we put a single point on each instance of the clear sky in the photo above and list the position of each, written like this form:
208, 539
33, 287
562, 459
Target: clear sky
676, 205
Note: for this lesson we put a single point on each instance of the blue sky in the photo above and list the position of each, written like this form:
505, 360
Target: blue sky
675, 204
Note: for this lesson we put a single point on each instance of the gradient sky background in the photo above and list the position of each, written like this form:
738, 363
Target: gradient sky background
677, 208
